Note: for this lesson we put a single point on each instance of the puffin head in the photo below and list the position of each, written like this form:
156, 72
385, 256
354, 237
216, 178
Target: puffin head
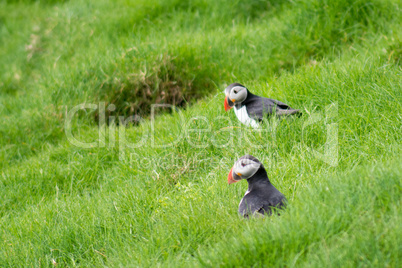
244, 168
235, 93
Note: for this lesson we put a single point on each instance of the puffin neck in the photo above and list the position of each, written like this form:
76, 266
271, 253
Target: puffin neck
249, 97
259, 178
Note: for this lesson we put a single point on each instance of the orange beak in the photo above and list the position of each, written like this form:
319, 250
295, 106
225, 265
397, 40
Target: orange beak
226, 104
230, 177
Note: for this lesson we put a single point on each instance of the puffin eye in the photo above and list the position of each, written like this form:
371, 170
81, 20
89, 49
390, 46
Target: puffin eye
235, 91
243, 164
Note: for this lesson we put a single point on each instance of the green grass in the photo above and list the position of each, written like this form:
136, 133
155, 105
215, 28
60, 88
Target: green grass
132, 201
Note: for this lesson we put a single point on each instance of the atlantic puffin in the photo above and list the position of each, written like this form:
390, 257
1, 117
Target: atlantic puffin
261, 196
251, 109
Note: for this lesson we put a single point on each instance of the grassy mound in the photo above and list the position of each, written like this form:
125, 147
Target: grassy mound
155, 194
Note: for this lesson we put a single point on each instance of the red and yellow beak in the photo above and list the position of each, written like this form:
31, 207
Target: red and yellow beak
230, 177
226, 104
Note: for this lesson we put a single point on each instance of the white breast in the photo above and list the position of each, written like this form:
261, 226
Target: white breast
244, 196
243, 117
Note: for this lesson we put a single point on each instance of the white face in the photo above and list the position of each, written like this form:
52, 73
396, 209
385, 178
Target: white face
238, 94
245, 168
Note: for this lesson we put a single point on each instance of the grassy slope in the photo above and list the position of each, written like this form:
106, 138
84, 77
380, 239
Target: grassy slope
172, 205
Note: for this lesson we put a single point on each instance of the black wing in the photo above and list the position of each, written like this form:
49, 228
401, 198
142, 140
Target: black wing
267, 208
259, 107
252, 203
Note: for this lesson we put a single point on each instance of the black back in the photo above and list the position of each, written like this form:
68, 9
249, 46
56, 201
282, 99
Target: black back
262, 196
260, 107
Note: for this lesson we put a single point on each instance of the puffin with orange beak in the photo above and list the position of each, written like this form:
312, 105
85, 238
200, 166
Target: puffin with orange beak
251, 109
261, 196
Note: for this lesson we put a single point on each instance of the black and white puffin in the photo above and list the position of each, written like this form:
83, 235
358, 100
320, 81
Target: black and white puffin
251, 109
261, 196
